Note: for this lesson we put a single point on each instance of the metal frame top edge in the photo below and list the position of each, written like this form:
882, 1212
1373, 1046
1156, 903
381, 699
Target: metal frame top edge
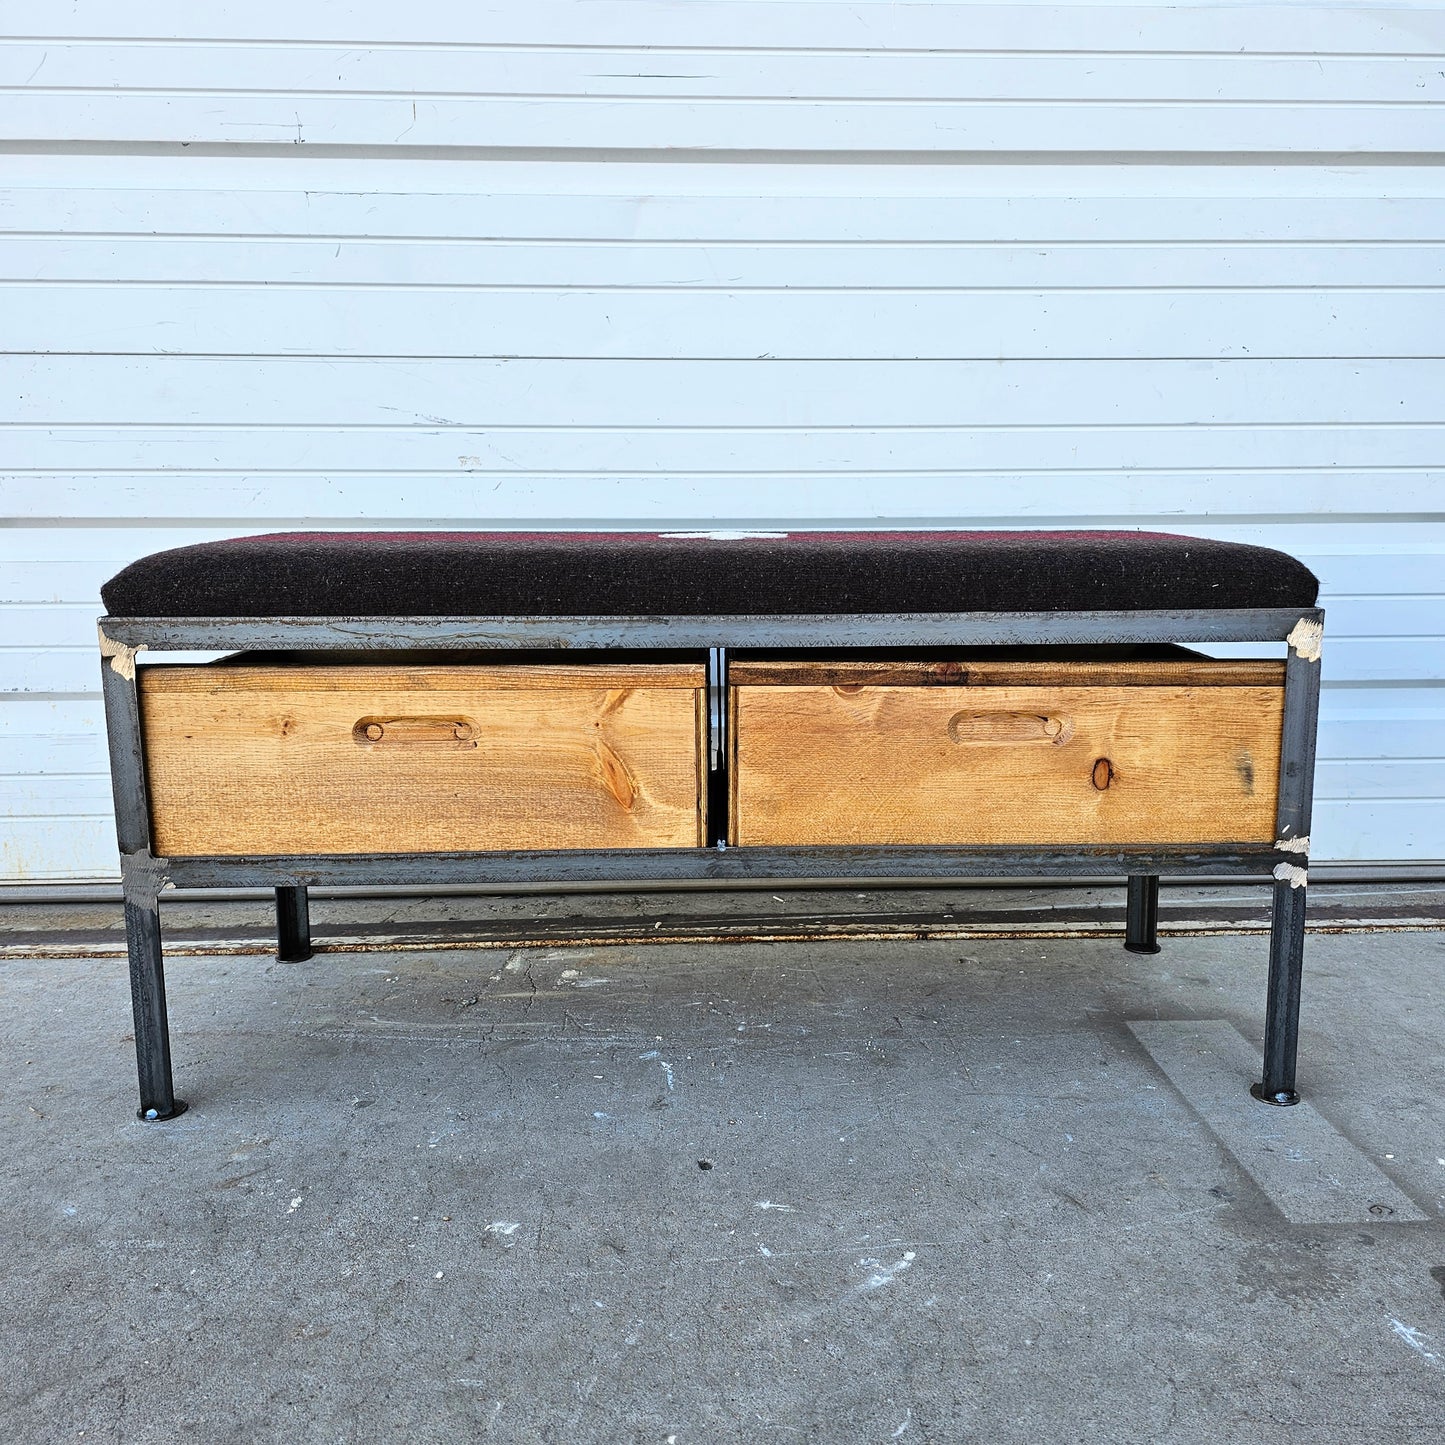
1269, 624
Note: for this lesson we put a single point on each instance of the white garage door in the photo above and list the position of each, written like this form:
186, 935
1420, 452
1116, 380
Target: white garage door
614, 263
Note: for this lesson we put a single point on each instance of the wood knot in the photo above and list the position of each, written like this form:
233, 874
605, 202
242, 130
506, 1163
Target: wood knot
1103, 774
613, 702
616, 777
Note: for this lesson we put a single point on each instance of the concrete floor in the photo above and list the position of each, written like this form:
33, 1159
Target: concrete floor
829, 1192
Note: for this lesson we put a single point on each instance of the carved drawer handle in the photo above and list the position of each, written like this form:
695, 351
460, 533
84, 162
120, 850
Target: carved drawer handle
968, 728
446, 732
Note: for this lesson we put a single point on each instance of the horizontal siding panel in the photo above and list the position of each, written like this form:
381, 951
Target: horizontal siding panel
363, 455
419, 73
324, 269
40, 735
518, 497
47, 795
1379, 570
1402, 127
690, 324
1343, 780
286, 392
71, 671
1369, 559
869, 25
56, 808
917, 206
51, 794
1401, 619
55, 624
1387, 829
1398, 723
58, 849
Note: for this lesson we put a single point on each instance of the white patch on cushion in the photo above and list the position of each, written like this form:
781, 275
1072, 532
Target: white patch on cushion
720, 536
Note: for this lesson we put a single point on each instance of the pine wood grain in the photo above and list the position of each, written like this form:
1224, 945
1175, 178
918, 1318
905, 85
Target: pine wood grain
354, 760
1004, 765
988, 672
248, 676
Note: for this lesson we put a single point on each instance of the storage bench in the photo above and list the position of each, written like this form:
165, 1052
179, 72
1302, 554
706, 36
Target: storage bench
474, 707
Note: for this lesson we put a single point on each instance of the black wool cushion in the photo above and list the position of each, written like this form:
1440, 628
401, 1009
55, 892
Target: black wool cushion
537, 574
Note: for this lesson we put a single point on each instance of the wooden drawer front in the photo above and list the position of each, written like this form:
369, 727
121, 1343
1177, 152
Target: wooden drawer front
259, 759
1004, 765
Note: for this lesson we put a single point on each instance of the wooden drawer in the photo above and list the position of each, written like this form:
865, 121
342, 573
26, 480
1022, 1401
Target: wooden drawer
246, 759
1004, 753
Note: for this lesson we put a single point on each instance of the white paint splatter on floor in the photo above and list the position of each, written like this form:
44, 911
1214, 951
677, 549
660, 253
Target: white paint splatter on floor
1416, 1339
884, 1274
666, 1067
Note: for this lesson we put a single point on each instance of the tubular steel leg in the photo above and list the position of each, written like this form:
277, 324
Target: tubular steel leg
293, 925
1141, 918
1281, 1019
148, 999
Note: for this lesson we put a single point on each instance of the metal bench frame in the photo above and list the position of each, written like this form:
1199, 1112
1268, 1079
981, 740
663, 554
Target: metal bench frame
146, 876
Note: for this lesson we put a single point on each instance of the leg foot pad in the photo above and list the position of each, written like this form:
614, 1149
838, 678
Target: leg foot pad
1281, 1098
155, 1116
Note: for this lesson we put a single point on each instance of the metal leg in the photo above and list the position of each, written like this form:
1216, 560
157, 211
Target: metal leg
1281, 1019
148, 999
1141, 918
293, 925
1292, 830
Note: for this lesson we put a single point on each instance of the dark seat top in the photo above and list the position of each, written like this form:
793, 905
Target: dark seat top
610, 574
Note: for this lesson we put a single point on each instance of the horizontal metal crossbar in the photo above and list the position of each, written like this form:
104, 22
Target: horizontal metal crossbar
665, 864
832, 630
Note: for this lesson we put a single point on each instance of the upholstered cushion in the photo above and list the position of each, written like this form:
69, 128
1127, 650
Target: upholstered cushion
489, 574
